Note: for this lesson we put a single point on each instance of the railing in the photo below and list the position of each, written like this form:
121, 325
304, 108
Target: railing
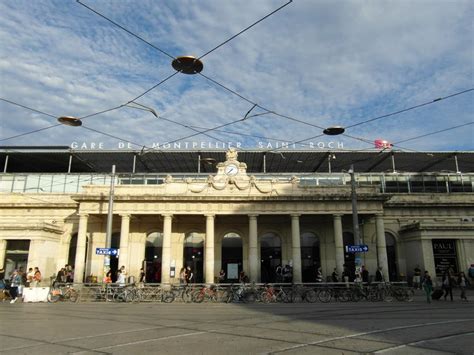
387, 182
229, 293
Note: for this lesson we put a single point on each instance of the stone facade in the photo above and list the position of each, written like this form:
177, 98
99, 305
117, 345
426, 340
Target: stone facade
231, 201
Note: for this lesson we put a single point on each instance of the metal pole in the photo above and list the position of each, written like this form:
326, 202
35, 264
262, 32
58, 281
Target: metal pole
108, 236
199, 163
6, 164
355, 218
70, 164
456, 162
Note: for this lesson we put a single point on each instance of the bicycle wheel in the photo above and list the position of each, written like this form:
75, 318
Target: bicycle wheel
311, 296
168, 297
265, 297
325, 296
198, 297
54, 295
387, 295
73, 295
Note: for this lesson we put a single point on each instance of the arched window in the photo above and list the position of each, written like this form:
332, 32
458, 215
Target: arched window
194, 255
232, 256
310, 256
153, 251
270, 252
391, 244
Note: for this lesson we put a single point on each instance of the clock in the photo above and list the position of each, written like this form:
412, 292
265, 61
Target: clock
231, 169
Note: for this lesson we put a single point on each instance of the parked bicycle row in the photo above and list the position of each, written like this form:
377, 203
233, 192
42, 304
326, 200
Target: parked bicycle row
227, 293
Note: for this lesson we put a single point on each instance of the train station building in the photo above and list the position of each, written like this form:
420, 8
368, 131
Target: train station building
235, 210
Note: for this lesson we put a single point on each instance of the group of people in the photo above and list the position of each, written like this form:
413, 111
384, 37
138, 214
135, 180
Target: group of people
120, 277
18, 279
361, 275
448, 282
65, 274
186, 275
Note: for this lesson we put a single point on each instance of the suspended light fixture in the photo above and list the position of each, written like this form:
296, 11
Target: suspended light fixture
334, 130
70, 121
187, 64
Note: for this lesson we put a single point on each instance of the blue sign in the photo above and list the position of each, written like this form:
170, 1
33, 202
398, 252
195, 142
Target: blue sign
357, 248
107, 251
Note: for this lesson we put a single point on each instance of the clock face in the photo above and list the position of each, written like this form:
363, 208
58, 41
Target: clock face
231, 169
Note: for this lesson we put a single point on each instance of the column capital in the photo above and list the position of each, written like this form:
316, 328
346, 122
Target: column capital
379, 215
337, 215
252, 215
210, 215
167, 215
83, 215
125, 215
295, 215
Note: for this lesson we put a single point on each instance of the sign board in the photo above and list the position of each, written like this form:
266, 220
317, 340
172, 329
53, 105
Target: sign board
107, 251
232, 271
357, 248
445, 256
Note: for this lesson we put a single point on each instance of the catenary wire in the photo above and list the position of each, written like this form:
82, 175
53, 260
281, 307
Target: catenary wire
410, 108
435, 132
124, 29
28, 108
245, 29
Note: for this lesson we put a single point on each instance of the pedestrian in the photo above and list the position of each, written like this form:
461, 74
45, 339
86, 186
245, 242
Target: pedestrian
108, 277
29, 277
182, 276
189, 275
243, 278
319, 275
463, 282
279, 273
417, 277
121, 280
60, 276
222, 276
15, 283
345, 275
69, 273
335, 276
365, 275
448, 285
37, 277
287, 274
379, 275
427, 286
142, 275
471, 272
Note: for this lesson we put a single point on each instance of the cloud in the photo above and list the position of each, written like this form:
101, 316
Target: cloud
322, 62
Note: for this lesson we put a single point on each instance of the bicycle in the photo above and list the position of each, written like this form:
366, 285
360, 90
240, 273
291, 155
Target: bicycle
63, 293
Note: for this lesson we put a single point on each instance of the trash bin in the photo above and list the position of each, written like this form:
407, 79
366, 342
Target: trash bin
131, 279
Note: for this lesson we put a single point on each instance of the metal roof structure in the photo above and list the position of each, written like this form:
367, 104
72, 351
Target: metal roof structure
24, 159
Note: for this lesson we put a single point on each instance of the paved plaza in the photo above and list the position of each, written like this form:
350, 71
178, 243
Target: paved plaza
334, 328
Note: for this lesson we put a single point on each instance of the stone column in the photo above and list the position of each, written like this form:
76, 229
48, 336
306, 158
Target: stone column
296, 247
339, 243
209, 254
3, 250
253, 252
166, 253
381, 245
124, 234
79, 264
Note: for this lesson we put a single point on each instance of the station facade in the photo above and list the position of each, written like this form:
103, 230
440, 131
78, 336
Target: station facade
227, 217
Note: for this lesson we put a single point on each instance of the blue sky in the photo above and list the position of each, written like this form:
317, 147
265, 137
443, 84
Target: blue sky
322, 62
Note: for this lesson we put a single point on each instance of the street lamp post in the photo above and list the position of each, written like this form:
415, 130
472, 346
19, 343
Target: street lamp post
108, 236
355, 218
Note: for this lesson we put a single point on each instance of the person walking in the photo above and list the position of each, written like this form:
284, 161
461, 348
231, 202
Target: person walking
319, 275
427, 286
182, 276
335, 276
379, 275
365, 275
189, 275
463, 282
15, 283
448, 285
417, 277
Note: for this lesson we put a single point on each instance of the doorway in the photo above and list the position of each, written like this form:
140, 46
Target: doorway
193, 255
270, 252
153, 255
232, 256
310, 256
16, 256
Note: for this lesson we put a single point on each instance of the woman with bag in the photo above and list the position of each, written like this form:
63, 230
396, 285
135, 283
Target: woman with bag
14, 285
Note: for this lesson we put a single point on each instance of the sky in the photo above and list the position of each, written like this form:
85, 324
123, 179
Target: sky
310, 65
